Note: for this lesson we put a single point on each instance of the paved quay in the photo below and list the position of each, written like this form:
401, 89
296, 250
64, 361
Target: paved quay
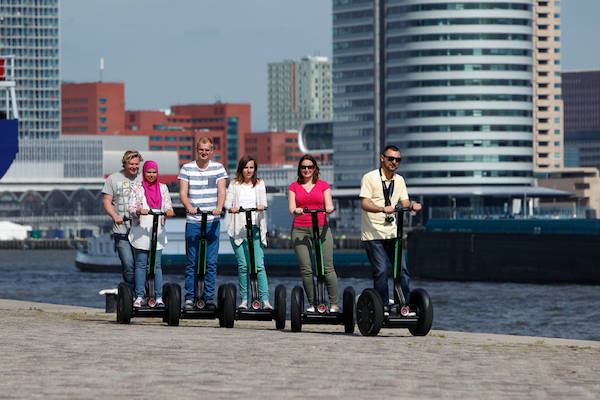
63, 352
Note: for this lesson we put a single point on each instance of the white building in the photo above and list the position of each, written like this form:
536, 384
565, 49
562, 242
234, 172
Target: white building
30, 31
299, 91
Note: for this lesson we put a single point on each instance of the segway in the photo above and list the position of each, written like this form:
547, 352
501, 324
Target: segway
255, 311
322, 313
416, 315
170, 313
225, 310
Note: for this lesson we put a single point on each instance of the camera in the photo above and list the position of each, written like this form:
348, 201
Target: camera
389, 219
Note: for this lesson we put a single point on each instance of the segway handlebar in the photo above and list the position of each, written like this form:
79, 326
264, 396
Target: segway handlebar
242, 209
155, 211
200, 212
399, 208
316, 211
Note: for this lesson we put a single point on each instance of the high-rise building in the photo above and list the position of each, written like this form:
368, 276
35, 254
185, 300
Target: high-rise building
29, 30
548, 140
299, 91
448, 82
581, 97
93, 107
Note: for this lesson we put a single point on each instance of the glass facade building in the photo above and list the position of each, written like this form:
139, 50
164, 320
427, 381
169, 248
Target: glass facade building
449, 83
29, 30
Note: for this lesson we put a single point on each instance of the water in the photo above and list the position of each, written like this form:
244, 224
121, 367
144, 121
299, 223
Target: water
566, 311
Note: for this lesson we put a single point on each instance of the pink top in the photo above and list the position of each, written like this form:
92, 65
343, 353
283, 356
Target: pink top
313, 200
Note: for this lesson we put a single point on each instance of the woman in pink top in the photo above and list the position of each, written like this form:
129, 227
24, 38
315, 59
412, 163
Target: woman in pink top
309, 191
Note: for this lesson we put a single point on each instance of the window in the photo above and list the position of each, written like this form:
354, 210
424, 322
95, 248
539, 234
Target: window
170, 147
557, 120
557, 38
155, 147
557, 143
185, 147
557, 50
556, 62
102, 109
557, 131
556, 97
156, 138
557, 108
556, 155
102, 119
185, 139
170, 138
102, 128
185, 157
102, 100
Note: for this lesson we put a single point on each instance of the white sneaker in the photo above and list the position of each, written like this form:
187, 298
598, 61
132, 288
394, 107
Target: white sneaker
266, 305
334, 309
189, 305
160, 302
244, 305
138, 302
310, 309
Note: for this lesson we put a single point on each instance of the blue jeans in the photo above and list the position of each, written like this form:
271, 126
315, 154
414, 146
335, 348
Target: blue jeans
192, 242
125, 252
141, 269
242, 255
379, 252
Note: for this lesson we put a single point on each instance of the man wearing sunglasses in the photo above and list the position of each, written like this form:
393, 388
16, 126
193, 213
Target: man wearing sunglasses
380, 191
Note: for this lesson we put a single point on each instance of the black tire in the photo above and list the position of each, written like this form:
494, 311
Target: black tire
173, 307
421, 303
228, 307
349, 304
233, 288
165, 296
369, 313
220, 300
124, 304
296, 307
280, 307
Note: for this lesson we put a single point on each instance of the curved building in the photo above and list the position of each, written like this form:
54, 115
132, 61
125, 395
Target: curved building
458, 90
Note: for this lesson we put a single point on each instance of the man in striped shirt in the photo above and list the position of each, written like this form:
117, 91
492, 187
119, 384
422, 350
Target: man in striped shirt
202, 187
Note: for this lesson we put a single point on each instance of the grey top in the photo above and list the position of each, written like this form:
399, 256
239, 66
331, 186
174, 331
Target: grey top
119, 187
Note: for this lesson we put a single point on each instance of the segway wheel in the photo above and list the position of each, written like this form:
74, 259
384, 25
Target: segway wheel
220, 300
420, 302
369, 313
173, 311
165, 296
348, 304
124, 304
280, 307
296, 307
228, 310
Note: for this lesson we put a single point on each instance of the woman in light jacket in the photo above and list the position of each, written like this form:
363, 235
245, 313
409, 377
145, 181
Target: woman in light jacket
146, 195
247, 191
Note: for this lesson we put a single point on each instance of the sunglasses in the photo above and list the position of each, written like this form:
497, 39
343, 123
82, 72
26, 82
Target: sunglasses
391, 159
307, 167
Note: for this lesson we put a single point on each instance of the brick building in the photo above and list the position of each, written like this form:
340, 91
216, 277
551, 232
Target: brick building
277, 148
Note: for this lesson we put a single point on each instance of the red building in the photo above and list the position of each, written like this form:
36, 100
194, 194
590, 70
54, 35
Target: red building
93, 108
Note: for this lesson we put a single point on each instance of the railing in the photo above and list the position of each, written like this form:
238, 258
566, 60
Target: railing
501, 213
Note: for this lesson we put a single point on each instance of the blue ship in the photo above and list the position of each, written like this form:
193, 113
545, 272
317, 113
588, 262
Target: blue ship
9, 143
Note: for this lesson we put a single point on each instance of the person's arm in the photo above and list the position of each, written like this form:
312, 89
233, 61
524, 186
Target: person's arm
328, 201
108, 207
183, 197
262, 196
167, 203
412, 206
229, 199
292, 207
221, 190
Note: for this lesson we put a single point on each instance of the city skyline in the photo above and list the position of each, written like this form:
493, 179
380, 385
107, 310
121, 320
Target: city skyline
208, 39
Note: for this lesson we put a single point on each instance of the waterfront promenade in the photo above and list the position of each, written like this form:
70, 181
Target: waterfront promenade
56, 351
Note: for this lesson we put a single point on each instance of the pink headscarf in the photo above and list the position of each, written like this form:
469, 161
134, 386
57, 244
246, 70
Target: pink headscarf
152, 190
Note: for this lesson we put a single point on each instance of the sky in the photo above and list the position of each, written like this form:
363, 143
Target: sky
201, 51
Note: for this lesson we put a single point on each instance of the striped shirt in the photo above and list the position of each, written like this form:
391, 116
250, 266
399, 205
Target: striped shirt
202, 189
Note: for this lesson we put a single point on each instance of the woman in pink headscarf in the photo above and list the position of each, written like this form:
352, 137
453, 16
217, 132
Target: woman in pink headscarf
146, 195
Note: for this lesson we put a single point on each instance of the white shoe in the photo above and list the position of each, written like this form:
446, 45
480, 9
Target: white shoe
138, 302
160, 302
244, 305
310, 309
334, 309
266, 305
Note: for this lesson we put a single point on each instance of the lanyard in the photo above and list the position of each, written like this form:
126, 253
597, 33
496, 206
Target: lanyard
387, 191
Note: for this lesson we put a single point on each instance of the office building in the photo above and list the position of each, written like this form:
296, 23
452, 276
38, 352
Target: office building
548, 141
30, 31
93, 108
299, 91
450, 83
581, 97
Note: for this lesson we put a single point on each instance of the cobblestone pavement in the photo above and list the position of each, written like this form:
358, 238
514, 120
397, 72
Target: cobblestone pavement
55, 351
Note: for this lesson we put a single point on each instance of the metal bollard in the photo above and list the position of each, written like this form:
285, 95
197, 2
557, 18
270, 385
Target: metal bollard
111, 299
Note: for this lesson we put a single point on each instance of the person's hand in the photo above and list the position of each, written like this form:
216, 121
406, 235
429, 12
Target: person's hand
143, 212
216, 211
118, 219
416, 206
192, 211
329, 210
298, 212
260, 208
388, 209
234, 210
170, 213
